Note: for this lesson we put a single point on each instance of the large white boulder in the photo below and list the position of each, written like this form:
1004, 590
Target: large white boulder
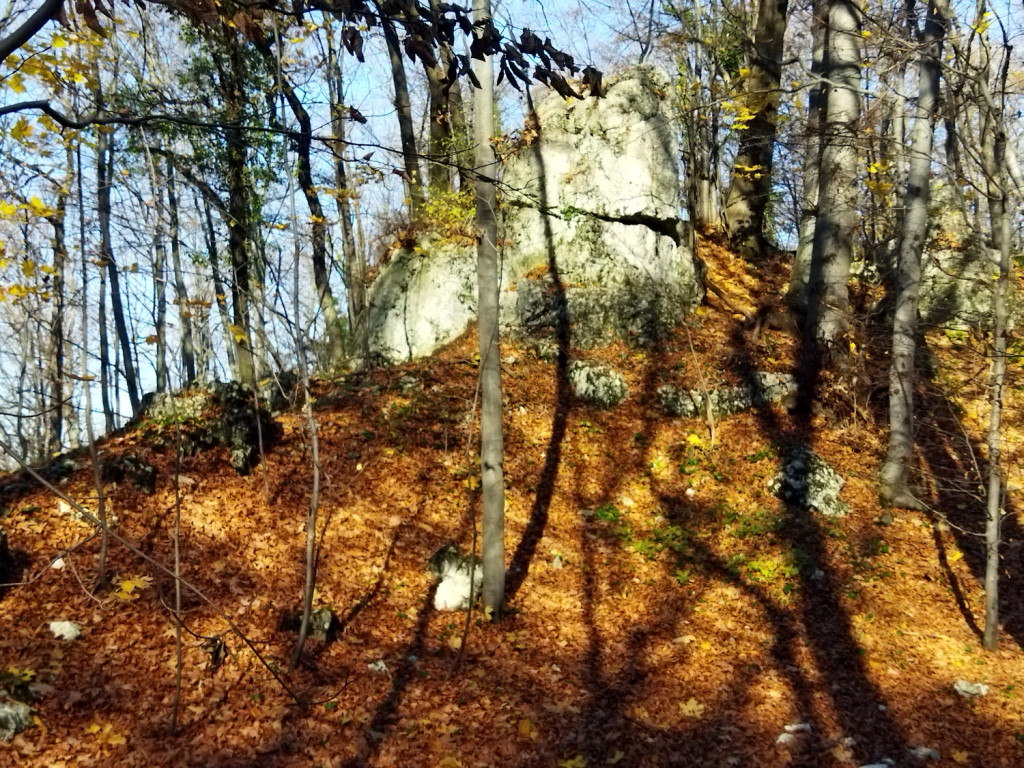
591, 234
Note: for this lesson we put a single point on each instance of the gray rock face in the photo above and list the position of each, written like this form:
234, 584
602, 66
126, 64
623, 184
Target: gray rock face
594, 218
597, 385
958, 287
805, 480
958, 269
591, 233
422, 301
765, 388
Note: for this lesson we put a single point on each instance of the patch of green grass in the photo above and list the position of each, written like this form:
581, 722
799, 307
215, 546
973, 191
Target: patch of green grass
761, 522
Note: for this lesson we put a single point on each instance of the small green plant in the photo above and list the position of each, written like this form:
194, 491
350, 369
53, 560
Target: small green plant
760, 523
648, 548
682, 576
612, 521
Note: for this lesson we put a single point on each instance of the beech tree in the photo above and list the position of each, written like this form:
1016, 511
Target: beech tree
492, 485
751, 185
894, 488
837, 212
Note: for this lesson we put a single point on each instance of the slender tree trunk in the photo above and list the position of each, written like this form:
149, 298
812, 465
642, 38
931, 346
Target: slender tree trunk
160, 297
413, 180
101, 509
828, 315
446, 134
104, 169
995, 167
220, 296
55, 432
751, 187
232, 86
816, 105
491, 440
895, 471
318, 227
354, 267
181, 298
108, 410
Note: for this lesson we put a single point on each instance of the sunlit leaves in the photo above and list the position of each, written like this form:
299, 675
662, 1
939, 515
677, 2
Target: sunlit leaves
105, 734
129, 589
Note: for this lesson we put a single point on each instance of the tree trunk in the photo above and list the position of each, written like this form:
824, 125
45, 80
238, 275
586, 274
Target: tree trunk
800, 279
751, 187
355, 268
491, 440
55, 432
188, 356
318, 228
108, 410
232, 86
403, 107
995, 167
160, 297
828, 313
220, 297
104, 170
894, 489
446, 134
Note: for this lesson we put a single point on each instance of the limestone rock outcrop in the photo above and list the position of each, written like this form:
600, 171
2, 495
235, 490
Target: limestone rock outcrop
591, 234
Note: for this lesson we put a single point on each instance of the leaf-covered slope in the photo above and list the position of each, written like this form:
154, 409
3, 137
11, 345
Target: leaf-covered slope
667, 610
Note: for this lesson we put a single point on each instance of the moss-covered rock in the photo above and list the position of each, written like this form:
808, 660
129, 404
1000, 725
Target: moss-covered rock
221, 414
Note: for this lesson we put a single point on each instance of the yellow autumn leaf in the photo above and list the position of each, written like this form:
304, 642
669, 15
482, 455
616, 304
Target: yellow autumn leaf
960, 756
92, 728
28, 268
237, 332
58, 41
691, 708
7, 209
16, 83
576, 762
955, 555
449, 762
527, 729
21, 130
693, 440
38, 208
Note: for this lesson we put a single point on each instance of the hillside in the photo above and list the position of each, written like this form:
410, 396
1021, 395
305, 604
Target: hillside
666, 608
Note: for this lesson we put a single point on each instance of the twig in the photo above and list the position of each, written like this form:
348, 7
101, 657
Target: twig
704, 386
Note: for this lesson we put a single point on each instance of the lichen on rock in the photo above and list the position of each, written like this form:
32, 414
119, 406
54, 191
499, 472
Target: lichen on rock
806, 480
596, 384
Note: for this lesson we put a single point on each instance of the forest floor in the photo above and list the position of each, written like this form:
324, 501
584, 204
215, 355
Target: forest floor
665, 608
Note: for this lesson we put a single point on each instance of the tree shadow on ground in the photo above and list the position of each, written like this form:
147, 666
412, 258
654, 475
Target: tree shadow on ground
953, 467
858, 704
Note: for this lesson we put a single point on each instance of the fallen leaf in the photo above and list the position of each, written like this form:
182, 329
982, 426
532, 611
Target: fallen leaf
691, 708
960, 756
